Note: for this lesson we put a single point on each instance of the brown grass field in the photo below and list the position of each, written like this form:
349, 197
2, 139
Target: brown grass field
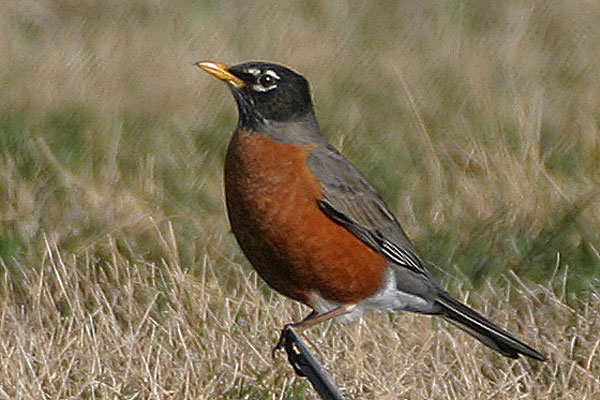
477, 121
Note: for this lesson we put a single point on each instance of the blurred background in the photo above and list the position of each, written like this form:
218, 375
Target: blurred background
478, 121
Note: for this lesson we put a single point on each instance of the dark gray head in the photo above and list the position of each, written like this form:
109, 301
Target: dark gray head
264, 92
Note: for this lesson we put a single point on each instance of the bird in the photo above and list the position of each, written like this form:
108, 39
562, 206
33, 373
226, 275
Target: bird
311, 225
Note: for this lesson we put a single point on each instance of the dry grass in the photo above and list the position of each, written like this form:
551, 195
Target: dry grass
477, 121
82, 328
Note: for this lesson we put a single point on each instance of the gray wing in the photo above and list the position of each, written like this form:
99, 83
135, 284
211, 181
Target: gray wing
349, 200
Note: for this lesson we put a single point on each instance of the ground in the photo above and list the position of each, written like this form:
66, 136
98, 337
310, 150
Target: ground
477, 121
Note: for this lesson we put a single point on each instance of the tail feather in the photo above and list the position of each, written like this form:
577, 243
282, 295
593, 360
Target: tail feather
483, 330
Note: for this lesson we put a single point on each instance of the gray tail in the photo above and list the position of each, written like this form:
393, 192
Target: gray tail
483, 330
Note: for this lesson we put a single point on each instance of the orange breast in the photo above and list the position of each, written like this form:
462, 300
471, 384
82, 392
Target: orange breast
272, 206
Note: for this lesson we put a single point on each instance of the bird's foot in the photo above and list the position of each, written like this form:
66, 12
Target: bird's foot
283, 340
288, 340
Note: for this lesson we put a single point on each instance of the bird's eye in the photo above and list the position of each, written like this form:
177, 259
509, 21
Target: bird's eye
266, 81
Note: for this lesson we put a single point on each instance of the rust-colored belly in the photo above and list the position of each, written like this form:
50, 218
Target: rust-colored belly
272, 206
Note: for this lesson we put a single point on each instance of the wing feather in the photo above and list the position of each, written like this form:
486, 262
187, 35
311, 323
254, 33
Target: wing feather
349, 200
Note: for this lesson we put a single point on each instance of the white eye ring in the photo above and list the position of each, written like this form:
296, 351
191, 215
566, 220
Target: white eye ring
266, 81
272, 73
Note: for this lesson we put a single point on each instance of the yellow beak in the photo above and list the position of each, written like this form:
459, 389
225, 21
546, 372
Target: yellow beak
221, 71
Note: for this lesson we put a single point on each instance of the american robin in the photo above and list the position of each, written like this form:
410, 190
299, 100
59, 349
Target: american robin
310, 223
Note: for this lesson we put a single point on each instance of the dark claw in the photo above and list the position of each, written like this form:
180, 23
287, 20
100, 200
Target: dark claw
283, 338
306, 365
287, 341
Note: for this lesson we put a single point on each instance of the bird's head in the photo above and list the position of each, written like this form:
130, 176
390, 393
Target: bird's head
264, 92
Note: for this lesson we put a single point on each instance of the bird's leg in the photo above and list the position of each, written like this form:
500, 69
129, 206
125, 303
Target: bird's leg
298, 355
312, 319
283, 336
